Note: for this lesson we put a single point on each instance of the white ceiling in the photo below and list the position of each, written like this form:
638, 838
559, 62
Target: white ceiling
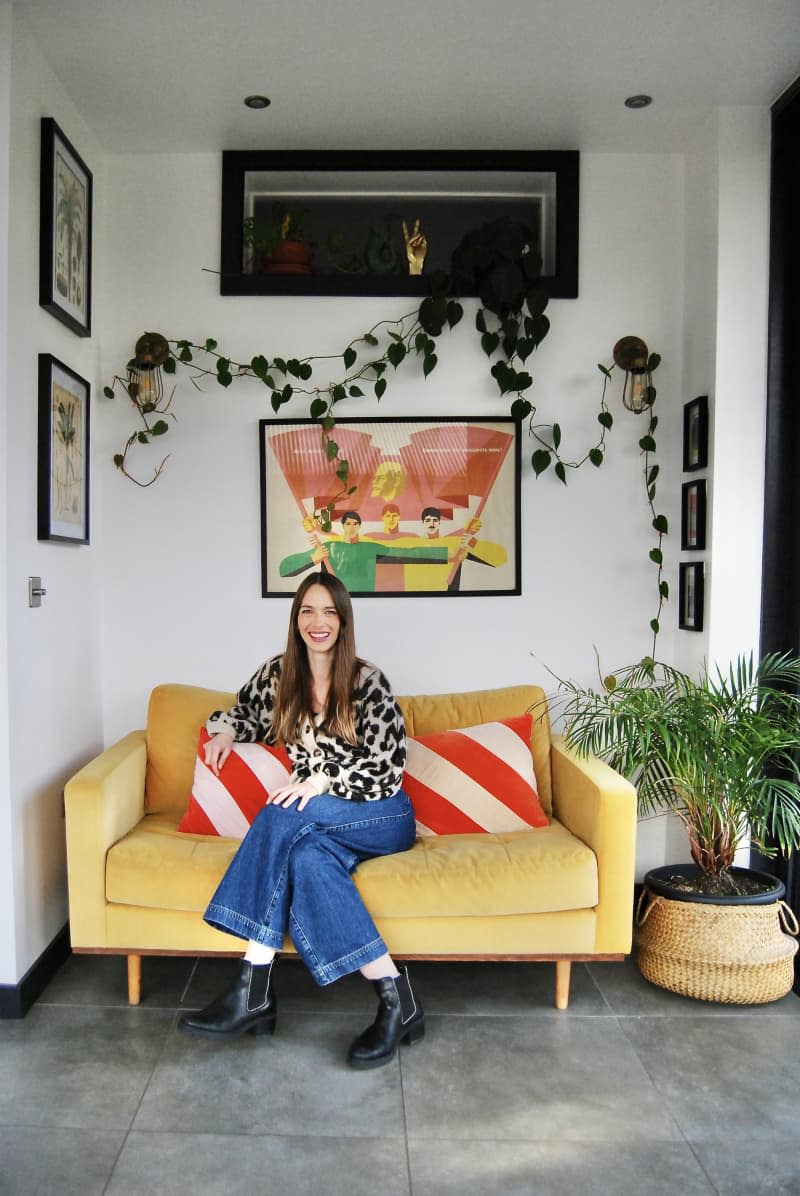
170, 75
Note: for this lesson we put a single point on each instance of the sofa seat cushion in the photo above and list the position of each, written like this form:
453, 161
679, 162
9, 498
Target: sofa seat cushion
477, 875
538, 871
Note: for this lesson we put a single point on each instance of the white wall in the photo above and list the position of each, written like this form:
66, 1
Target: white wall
181, 559
54, 714
741, 381
7, 936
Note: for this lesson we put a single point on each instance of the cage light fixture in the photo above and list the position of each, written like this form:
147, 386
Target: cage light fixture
145, 376
632, 356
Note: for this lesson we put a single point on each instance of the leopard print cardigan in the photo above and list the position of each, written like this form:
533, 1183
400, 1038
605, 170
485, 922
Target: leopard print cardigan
368, 771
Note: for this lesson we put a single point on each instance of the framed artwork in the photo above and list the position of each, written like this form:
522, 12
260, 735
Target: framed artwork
343, 214
430, 506
691, 598
65, 231
695, 434
63, 458
693, 514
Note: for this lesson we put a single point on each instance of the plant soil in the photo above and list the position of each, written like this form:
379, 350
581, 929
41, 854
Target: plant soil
721, 885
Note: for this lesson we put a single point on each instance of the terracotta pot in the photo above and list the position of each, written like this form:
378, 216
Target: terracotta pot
290, 257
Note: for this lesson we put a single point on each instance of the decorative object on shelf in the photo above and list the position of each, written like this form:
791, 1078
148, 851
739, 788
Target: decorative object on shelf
63, 453
278, 242
722, 753
691, 598
381, 254
348, 193
633, 357
416, 247
693, 515
428, 506
65, 231
695, 434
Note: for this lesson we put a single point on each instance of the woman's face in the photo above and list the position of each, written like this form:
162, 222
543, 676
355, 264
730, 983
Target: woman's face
318, 620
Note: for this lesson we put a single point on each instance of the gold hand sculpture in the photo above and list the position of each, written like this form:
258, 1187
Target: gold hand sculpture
416, 248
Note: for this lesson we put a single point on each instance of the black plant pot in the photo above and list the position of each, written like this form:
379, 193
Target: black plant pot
666, 882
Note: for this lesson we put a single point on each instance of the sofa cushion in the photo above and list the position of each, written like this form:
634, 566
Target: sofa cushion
474, 779
227, 804
424, 713
525, 872
175, 715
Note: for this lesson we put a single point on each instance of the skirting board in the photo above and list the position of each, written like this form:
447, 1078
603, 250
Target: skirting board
17, 999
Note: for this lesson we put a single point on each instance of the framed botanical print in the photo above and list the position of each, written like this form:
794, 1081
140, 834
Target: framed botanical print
65, 231
63, 457
428, 507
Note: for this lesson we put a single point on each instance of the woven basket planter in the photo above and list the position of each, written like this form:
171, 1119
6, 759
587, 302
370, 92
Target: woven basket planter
736, 954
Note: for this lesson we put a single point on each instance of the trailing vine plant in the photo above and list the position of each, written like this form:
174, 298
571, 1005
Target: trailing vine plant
498, 263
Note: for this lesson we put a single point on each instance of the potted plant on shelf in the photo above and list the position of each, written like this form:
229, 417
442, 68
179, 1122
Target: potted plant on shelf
722, 753
278, 242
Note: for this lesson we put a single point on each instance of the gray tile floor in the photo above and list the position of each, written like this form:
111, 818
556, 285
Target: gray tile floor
631, 1090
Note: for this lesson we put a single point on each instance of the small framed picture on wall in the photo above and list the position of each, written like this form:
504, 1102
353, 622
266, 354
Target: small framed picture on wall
695, 434
65, 231
63, 465
693, 515
691, 598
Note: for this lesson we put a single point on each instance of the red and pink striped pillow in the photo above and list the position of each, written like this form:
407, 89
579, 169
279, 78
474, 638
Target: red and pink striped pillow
475, 779
227, 804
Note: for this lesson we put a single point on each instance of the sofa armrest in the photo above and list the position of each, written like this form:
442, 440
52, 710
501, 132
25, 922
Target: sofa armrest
599, 806
102, 803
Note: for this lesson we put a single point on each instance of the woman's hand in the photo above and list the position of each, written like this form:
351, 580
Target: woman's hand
217, 750
296, 791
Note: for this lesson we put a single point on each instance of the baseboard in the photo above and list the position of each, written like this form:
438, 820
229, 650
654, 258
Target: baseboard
16, 999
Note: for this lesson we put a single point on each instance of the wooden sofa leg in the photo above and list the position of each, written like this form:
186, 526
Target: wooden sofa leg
563, 973
134, 979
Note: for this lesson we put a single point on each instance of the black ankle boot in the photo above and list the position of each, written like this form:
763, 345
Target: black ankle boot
400, 1018
249, 1005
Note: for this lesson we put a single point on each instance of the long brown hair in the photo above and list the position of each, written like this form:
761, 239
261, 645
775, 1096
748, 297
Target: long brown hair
293, 701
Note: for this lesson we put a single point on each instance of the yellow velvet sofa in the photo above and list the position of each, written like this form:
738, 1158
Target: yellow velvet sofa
138, 886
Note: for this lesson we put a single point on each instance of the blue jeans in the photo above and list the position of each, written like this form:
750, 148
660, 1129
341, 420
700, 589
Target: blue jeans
293, 872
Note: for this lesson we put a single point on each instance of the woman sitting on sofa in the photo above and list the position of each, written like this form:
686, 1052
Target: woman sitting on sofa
345, 736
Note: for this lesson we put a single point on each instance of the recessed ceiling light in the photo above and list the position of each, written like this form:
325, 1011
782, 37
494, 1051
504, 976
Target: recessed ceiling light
641, 101
258, 102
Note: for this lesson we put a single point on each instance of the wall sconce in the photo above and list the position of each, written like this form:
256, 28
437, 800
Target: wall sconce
145, 376
632, 355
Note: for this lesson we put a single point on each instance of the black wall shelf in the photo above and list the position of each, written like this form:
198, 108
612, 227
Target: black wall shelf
350, 197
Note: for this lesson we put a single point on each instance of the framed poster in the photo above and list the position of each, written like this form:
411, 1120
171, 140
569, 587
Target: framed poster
63, 456
430, 506
65, 231
691, 598
695, 434
693, 515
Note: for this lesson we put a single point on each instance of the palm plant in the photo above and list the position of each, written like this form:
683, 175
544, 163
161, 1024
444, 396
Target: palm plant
720, 751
